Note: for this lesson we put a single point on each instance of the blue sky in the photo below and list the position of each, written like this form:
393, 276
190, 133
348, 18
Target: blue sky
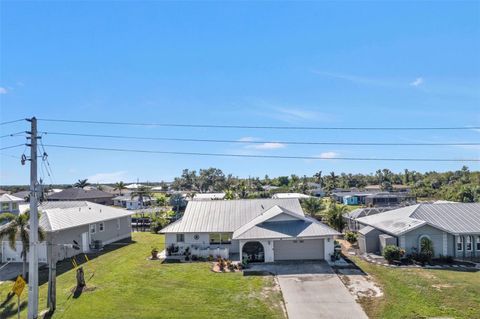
288, 63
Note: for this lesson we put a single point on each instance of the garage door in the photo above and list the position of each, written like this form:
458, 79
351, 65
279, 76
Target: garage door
298, 249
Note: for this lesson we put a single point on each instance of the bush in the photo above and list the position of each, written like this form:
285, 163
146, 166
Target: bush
392, 252
351, 237
445, 259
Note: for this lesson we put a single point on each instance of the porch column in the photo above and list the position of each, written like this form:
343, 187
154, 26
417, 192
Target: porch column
445, 244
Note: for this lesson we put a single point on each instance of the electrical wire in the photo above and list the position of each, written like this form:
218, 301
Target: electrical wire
14, 121
262, 156
13, 146
12, 134
257, 142
256, 127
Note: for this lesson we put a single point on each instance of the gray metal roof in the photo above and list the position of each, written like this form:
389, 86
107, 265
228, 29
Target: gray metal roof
226, 215
367, 211
254, 218
62, 215
79, 194
365, 230
455, 218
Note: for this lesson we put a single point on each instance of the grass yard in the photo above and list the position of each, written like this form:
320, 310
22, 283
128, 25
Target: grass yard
423, 293
130, 286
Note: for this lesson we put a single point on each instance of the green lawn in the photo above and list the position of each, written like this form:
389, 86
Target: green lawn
130, 286
423, 293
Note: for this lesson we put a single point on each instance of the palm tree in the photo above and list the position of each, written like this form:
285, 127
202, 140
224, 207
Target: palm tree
81, 183
334, 216
142, 192
120, 186
312, 206
229, 194
17, 226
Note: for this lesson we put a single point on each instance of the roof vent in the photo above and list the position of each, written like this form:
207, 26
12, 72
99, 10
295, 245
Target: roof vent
262, 207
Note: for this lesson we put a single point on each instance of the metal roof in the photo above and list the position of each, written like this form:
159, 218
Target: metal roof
367, 211
455, 218
226, 215
6, 198
208, 196
289, 195
63, 215
79, 194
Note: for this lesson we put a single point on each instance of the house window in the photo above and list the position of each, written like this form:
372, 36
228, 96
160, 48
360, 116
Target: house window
180, 238
101, 226
220, 238
478, 243
93, 229
5, 207
118, 223
469, 243
14, 206
460, 241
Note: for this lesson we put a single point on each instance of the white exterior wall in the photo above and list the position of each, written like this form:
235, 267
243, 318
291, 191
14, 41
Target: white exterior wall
329, 247
202, 241
11, 255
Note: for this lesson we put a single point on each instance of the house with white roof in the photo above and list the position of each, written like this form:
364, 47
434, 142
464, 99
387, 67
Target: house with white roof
208, 196
290, 195
260, 230
89, 224
453, 228
10, 204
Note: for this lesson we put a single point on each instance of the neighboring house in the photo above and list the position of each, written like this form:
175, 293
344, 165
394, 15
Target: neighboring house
390, 199
351, 217
350, 200
268, 188
10, 204
3, 192
129, 202
134, 186
209, 196
93, 195
453, 228
22, 194
290, 195
354, 197
85, 222
260, 230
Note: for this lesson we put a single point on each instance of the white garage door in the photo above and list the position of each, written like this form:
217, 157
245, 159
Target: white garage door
298, 249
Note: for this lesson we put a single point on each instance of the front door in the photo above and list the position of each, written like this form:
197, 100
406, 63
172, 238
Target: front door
85, 242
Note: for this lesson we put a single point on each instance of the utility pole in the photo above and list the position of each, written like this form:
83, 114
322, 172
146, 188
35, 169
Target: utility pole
52, 277
33, 256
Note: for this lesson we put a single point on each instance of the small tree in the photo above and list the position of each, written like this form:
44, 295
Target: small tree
312, 206
17, 226
119, 187
334, 216
81, 183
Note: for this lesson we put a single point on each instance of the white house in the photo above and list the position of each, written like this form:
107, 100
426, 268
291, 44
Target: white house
130, 203
262, 230
85, 222
9, 204
290, 195
209, 196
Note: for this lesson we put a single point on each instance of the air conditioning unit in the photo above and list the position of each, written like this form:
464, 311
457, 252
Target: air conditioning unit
97, 244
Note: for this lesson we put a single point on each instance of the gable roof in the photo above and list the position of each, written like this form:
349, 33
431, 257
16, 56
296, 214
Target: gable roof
455, 218
63, 215
226, 215
6, 198
79, 194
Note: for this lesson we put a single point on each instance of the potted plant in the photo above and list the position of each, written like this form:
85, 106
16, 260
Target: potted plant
154, 253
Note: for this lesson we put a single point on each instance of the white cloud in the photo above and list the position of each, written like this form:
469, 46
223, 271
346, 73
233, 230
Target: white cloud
108, 177
266, 146
329, 155
3, 90
417, 82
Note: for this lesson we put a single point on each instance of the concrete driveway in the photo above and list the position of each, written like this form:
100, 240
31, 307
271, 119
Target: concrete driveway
312, 290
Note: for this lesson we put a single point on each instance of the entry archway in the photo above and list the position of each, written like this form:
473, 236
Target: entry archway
253, 251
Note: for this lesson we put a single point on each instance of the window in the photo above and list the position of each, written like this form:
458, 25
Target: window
15, 206
220, 238
180, 238
469, 243
5, 207
478, 243
93, 229
118, 223
101, 226
460, 241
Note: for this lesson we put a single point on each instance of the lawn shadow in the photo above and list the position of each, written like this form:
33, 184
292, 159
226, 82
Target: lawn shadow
78, 292
10, 309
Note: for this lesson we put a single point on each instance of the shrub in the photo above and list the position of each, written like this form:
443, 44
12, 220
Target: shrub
351, 237
392, 252
194, 257
446, 259
210, 258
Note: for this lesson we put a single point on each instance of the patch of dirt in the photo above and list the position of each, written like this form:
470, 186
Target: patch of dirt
359, 285
442, 286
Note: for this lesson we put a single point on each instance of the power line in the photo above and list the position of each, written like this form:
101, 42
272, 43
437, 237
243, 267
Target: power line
14, 121
257, 142
258, 127
13, 146
12, 134
262, 156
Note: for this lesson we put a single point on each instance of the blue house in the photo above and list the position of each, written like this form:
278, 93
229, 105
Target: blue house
350, 200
